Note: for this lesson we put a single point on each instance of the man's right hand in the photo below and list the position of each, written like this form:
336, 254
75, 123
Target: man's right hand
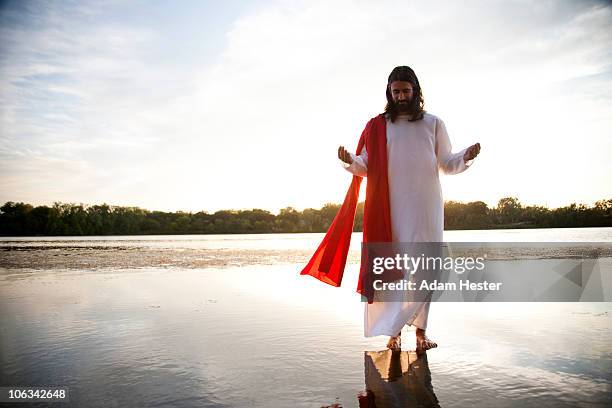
344, 155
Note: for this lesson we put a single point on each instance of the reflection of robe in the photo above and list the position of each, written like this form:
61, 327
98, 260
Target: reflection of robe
398, 379
416, 151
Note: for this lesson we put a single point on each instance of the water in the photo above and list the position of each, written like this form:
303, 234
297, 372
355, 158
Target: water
218, 321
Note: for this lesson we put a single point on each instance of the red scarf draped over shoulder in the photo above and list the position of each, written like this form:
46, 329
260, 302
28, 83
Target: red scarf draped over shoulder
328, 262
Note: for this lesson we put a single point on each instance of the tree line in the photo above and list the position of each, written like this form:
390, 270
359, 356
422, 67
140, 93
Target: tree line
21, 219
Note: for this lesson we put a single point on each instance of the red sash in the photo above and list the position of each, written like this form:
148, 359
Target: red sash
328, 262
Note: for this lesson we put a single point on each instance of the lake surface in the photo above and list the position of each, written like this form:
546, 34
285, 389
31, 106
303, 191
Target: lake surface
226, 321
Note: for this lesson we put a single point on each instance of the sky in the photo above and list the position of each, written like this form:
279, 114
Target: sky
206, 105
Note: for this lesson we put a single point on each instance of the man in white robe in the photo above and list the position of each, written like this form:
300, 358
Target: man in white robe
418, 146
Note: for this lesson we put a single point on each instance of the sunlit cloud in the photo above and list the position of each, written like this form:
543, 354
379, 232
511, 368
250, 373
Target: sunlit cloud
95, 107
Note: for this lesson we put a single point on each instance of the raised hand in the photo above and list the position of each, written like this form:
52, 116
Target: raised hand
344, 155
471, 152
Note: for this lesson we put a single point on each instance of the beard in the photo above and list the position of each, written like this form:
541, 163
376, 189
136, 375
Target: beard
403, 107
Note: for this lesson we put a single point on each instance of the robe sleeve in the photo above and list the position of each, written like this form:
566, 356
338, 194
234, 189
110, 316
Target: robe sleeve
448, 162
359, 166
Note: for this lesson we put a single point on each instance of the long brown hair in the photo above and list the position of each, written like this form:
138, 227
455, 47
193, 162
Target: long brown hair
415, 107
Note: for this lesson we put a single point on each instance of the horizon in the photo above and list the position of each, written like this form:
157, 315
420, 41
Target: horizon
87, 205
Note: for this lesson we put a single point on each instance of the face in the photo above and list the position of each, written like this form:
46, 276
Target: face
402, 93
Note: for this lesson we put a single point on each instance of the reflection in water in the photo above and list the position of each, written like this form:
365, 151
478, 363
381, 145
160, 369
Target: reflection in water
397, 379
161, 334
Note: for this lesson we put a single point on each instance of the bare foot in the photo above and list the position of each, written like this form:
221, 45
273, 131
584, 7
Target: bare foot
423, 342
395, 342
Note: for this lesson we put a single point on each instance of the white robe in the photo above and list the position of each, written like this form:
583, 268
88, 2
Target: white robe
416, 151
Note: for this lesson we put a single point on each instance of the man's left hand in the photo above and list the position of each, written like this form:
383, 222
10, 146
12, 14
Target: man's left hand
471, 152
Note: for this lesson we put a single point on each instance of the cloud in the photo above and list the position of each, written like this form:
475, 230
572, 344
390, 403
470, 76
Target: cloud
258, 124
